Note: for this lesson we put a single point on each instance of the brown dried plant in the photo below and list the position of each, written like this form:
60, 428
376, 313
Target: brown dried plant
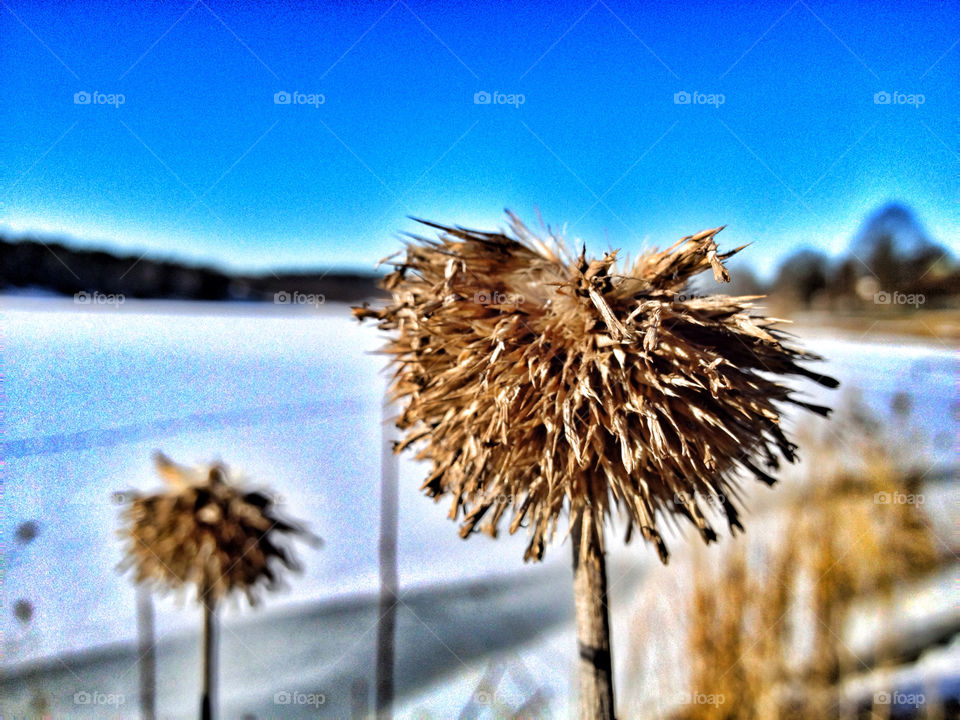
565, 383
849, 547
207, 531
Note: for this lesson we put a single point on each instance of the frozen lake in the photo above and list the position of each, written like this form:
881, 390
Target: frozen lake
291, 399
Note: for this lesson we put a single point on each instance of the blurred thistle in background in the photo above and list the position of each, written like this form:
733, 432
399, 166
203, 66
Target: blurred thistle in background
207, 531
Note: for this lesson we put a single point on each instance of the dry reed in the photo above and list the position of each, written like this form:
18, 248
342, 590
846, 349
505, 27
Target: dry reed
839, 547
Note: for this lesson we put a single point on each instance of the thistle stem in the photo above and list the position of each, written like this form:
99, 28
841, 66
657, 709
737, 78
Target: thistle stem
209, 639
389, 583
147, 654
593, 623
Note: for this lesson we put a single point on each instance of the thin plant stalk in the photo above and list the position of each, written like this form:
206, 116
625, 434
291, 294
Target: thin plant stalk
209, 641
389, 586
147, 654
593, 622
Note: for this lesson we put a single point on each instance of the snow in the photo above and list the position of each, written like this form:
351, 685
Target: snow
292, 399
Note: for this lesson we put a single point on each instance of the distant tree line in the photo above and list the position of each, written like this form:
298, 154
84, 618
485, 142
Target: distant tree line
53, 267
889, 261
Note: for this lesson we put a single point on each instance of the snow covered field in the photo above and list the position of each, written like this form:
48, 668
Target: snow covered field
292, 399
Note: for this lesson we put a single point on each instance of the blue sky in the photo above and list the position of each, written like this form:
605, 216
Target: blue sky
784, 138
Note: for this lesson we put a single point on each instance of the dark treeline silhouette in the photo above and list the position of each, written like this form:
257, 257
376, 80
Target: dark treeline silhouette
53, 267
890, 262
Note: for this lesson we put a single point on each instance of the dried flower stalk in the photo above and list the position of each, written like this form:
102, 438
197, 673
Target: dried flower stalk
539, 382
206, 531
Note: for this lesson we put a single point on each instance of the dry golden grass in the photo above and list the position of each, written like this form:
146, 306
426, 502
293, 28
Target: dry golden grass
937, 325
539, 382
840, 546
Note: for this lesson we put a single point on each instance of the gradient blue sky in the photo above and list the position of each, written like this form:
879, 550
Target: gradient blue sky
199, 163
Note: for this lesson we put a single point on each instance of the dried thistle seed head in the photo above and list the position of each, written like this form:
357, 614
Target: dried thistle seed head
558, 381
207, 531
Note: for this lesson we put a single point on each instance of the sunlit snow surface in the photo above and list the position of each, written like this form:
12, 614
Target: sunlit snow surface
292, 399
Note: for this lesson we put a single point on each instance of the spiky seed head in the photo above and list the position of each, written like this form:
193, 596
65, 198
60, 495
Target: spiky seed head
538, 382
206, 530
